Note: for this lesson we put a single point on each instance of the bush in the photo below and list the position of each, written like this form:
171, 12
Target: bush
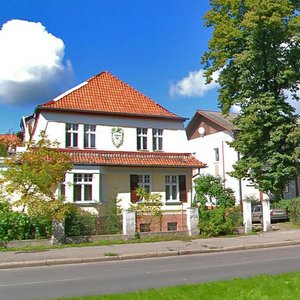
16, 225
79, 223
219, 221
292, 206
209, 189
294, 211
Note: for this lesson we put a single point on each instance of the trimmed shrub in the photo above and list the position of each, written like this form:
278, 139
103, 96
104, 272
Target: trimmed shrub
294, 211
219, 221
16, 225
292, 206
79, 223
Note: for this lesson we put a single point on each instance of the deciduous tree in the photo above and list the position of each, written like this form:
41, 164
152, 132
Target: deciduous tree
256, 47
33, 176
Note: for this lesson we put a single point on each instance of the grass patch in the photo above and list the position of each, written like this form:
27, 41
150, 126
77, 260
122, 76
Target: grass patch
285, 287
110, 254
147, 239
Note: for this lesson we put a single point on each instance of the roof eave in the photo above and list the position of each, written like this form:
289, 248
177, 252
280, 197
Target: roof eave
43, 108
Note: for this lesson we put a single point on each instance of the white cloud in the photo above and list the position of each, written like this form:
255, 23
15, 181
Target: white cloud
31, 60
235, 109
194, 85
294, 103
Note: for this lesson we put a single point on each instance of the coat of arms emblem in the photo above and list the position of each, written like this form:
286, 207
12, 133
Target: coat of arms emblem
117, 136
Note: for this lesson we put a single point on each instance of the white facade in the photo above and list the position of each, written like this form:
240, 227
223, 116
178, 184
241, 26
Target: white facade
211, 145
54, 124
117, 147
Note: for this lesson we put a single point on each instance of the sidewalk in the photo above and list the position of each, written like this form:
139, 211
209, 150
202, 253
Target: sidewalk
147, 250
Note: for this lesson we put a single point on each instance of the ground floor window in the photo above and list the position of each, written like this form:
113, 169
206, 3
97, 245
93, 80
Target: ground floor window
82, 187
138, 181
176, 188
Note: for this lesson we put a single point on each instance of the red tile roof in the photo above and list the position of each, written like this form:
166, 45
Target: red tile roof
134, 159
105, 93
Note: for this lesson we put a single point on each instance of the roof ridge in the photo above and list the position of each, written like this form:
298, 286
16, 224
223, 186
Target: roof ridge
132, 88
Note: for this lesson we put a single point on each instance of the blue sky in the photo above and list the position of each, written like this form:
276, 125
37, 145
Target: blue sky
153, 45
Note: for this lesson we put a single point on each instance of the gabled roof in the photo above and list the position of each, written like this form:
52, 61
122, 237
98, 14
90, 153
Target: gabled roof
213, 121
219, 118
133, 159
106, 94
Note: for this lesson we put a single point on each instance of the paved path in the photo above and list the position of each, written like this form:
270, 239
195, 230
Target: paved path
145, 250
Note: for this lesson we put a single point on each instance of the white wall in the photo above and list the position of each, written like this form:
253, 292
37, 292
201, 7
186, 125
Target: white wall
174, 136
204, 149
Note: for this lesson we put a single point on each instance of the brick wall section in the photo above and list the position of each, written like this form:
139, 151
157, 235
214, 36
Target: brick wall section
154, 224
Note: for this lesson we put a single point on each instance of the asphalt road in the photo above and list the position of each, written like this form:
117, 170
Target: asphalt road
122, 276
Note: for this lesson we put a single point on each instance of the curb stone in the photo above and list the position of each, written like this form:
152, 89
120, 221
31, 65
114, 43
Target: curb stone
64, 261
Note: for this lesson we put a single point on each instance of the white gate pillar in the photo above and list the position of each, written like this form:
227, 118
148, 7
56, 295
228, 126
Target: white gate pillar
247, 216
129, 223
266, 215
192, 219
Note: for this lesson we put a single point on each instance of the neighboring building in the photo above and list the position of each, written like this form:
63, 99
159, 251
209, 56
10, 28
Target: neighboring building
208, 133
118, 139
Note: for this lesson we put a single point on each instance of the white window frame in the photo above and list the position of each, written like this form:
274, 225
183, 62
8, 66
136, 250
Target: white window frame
170, 182
72, 130
89, 133
157, 139
142, 138
144, 181
85, 181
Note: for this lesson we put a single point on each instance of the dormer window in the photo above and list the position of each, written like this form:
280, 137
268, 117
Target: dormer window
142, 138
71, 135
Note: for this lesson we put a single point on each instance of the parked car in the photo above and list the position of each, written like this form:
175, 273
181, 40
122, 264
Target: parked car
276, 214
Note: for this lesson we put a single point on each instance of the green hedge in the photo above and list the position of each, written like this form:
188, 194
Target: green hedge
219, 221
79, 223
292, 206
16, 225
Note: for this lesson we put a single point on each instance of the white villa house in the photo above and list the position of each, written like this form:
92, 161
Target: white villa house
208, 133
119, 139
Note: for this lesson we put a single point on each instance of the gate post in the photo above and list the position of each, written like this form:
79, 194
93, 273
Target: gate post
192, 219
247, 216
129, 223
266, 215
58, 232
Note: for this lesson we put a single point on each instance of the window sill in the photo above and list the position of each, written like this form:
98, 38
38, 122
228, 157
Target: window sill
173, 203
85, 203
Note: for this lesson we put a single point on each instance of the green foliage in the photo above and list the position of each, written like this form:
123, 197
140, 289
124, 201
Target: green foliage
3, 150
114, 214
294, 211
33, 176
16, 225
292, 206
219, 221
256, 48
209, 189
149, 202
79, 222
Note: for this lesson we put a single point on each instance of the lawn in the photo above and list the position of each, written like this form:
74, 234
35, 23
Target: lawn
262, 287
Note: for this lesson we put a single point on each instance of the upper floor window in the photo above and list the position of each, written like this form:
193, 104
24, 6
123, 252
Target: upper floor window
89, 136
142, 138
71, 135
82, 187
157, 139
